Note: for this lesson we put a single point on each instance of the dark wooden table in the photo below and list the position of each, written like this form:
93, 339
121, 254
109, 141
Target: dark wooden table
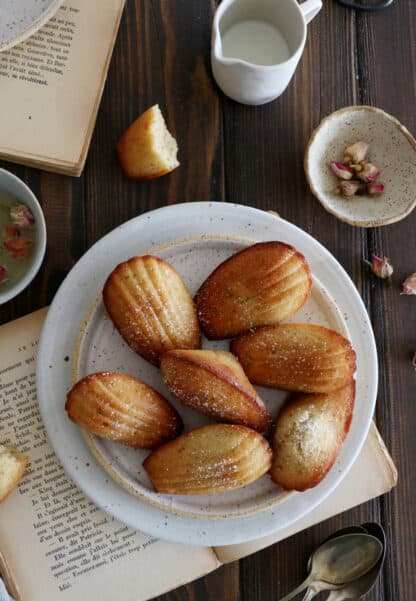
255, 156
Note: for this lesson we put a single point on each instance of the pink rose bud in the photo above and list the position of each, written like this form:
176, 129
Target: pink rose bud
340, 170
18, 247
375, 188
369, 173
357, 152
21, 215
9, 232
380, 267
3, 274
409, 285
349, 188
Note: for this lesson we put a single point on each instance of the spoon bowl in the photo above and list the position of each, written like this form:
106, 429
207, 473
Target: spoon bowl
346, 558
361, 586
342, 560
337, 534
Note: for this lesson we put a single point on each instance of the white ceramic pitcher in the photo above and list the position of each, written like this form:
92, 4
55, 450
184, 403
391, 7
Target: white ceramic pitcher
250, 83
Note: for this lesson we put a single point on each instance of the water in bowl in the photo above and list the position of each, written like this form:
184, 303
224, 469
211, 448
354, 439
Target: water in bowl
15, 268
256, 42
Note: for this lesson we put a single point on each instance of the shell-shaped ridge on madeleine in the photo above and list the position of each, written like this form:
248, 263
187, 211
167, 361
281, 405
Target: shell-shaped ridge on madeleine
299, 357
214, 383
265, 283
151, 307
122, 409
308, 436
211, 459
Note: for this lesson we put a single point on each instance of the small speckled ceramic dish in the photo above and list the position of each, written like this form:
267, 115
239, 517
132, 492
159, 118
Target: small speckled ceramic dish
392, 149
13, 190
22, 18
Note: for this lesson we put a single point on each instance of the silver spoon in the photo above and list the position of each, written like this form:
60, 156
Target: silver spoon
316, 587
341, 560
360, 587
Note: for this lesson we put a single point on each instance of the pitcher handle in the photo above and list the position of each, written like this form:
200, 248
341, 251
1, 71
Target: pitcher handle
310, 9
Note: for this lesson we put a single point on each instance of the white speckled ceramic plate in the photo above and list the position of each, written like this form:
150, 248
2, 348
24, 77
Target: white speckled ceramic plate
20, 19
392, 149
101, 348
205, 233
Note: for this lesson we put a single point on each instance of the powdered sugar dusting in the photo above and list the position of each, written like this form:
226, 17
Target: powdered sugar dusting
103, 349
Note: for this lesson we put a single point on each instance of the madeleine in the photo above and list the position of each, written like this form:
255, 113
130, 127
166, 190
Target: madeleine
122, 409
296, 356
309, 433
214, 383
12, 467
212, 459
151, 307
262, 284
147, 149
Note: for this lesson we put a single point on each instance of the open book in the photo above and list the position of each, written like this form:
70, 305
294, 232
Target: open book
55, 544
51, 86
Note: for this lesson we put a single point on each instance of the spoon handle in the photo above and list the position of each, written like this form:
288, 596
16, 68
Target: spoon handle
336, 596
310, 594
297, 590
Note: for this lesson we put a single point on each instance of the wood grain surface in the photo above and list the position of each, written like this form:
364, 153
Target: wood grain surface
254, 156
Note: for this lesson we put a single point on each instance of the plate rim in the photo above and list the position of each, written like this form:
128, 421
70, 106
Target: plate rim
31, 29
200, 531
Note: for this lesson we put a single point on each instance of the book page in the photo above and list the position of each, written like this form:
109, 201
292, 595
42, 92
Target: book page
51, 84
381, 476
54, 542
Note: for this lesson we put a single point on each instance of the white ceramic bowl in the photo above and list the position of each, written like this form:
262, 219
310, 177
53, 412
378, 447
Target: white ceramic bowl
22, 18
392, 149
13, 185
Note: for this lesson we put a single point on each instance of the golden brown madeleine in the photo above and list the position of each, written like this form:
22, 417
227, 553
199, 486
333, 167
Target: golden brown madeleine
123, 409
147, 149
310, 430
211, 459
296, 356
12, 467
262, 284
214, 383
151, 307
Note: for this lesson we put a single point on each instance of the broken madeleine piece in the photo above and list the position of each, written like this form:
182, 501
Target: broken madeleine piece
296, 356
265, 283
12, 466
309, 433
211, 459
214, 383
151, 307
147, 149
122, 409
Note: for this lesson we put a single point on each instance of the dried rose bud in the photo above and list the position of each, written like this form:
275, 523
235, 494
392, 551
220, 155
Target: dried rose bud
381, 267
21, 215
349, 188
375, 188
362, 190
357, 168
3, 274
409, 285
9, 232
369, 173
340, 170
18, 247
357, 152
